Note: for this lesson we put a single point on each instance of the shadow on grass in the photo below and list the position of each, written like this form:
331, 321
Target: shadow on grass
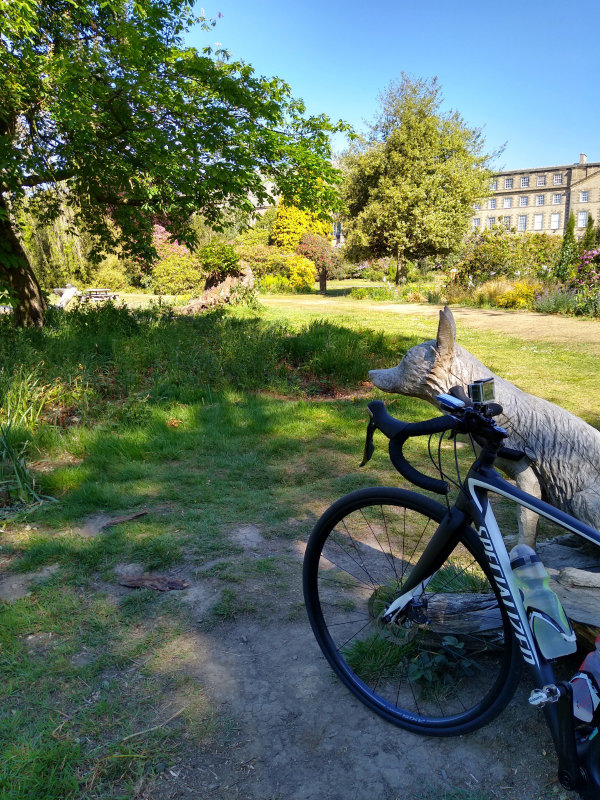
87, 359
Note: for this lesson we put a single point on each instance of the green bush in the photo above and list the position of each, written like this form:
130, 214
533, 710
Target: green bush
498, 252
111, 274
274, 284
219, 261
177, 274
259, 256
374, 293
555, 301
177, 270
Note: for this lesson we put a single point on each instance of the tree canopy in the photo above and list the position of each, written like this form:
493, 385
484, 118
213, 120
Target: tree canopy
410, 185
104, 108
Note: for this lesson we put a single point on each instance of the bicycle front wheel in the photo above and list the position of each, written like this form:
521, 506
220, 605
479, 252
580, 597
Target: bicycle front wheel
448, 663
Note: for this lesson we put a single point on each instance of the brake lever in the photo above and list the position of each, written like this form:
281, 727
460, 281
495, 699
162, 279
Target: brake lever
369, 446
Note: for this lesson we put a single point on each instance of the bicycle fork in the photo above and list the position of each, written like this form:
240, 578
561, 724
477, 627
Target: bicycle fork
578, 756
439, 547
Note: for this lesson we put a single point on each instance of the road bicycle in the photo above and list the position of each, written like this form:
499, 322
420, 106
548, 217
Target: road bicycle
416, 605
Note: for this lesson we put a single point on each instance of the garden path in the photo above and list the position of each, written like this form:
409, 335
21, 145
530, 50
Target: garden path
523, 324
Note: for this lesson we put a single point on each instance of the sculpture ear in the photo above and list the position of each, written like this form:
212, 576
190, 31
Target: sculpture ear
446, 334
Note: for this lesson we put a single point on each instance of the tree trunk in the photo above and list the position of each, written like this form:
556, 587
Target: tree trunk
17, 275
400, 268
323, 281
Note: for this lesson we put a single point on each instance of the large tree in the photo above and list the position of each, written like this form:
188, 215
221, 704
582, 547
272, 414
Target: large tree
104, 108
411, 183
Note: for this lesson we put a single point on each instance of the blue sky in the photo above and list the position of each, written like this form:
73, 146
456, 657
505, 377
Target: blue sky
526, 72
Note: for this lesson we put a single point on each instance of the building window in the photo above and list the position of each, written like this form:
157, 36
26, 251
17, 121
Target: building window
508, 183
522, 226
523, 201
493, 185
508, 202
556, 199
582, 219
491, 221
506, 222
525, 182
476, 222
492, 202
541, 180
538, 222
558, 178
476, 206
540, 199
554, 221
584, 197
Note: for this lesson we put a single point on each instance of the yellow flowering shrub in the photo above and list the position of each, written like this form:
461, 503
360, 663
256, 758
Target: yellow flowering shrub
302, 273
291, 223
522, 295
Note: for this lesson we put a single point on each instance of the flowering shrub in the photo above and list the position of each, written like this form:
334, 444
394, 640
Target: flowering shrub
290, 225
301, 273
326, 258
177, 270
498, 252
521, 295
585, 285
289, 273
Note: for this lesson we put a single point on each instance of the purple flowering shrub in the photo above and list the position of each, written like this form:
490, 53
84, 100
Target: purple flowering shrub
585, 285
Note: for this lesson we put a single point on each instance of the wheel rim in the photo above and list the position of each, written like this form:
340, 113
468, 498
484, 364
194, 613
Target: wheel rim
442, 663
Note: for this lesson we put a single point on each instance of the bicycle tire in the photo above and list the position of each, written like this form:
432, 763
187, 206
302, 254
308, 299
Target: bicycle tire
434, 672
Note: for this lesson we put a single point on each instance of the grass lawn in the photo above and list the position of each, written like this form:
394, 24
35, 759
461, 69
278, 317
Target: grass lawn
206, 425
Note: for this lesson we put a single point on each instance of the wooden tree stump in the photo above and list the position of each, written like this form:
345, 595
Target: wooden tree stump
221, 293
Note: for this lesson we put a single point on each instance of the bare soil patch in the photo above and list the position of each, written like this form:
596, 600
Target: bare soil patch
296, 733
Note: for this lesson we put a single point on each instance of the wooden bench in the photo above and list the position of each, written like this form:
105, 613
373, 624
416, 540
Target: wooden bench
98, 295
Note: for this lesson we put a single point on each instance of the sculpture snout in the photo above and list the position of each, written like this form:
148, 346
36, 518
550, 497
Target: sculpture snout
385, 379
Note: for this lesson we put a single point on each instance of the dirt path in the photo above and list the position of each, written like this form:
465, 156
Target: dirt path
521, 324
295, 733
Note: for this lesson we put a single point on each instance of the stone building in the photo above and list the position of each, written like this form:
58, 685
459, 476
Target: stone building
541, 200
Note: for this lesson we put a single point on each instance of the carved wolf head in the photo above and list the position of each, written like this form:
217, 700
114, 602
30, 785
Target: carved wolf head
433, 367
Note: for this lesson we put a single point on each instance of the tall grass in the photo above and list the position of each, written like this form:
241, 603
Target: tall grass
16, 481
92, 364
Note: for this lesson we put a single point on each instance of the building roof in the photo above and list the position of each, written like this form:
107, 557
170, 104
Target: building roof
553, 168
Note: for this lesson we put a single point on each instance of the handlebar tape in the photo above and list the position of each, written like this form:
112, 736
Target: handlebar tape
398, 432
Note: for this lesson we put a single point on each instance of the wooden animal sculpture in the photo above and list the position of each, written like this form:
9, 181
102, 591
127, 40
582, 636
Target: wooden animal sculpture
563, 463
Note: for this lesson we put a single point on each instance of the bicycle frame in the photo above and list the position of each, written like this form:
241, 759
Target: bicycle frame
473, 507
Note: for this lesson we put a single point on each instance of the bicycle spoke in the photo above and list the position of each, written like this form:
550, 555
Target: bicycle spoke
439, 660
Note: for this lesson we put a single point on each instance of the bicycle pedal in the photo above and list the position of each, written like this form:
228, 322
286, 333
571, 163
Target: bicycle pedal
541, 697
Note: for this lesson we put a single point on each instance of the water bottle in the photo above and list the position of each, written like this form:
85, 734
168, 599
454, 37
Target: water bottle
586, 683
549, 624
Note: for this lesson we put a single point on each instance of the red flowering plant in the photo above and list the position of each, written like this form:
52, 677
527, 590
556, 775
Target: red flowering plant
585, 285
323, 255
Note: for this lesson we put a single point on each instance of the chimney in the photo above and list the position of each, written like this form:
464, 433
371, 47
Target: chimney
582, 158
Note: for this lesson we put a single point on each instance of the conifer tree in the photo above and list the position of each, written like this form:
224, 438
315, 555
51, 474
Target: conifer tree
410, 186
589, 237
568, 251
